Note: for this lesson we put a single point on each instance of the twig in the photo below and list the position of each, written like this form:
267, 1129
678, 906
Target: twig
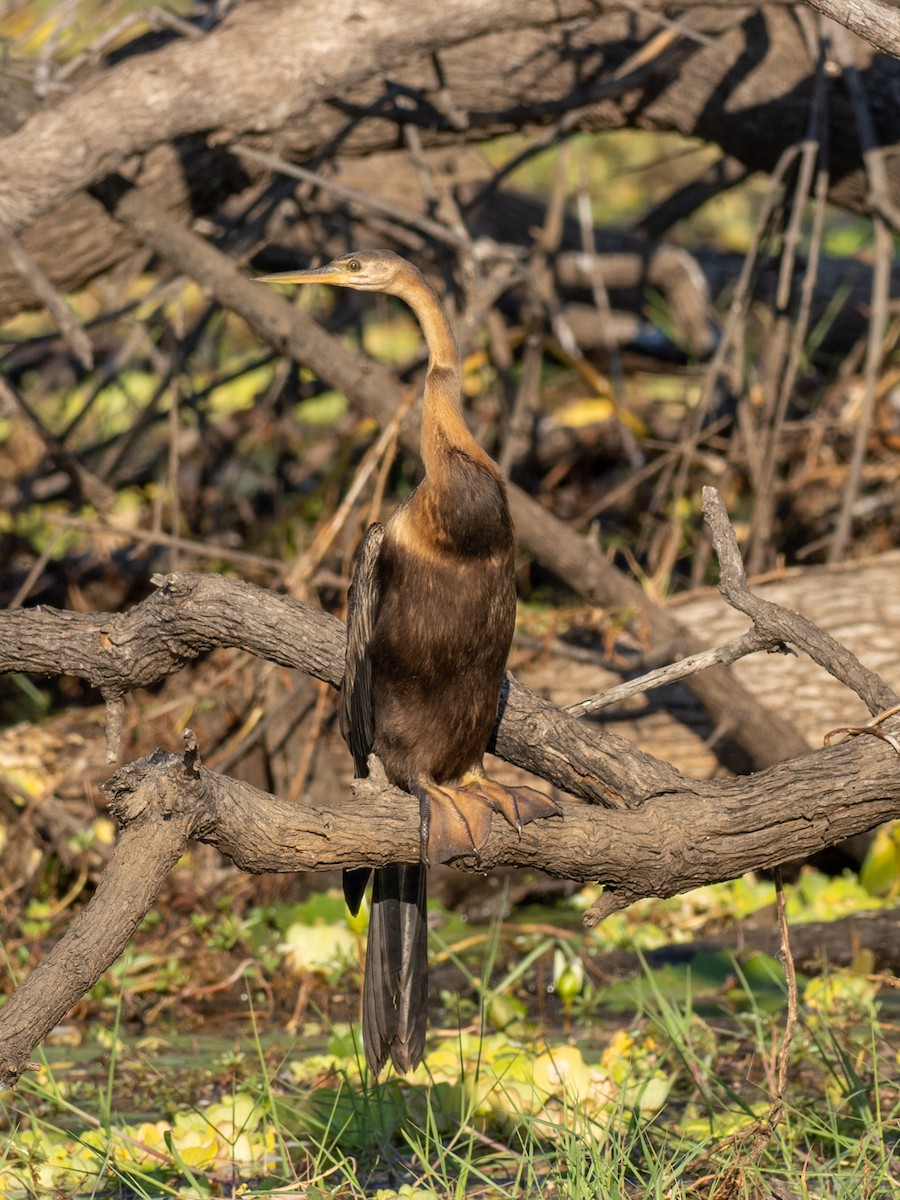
396, 212
722, 175
786, 626
594, 269
296, 578
72, 333
106, 526
540, 294
749, 643
879, 196
732, 333
782, 362
92, 489
790, 1024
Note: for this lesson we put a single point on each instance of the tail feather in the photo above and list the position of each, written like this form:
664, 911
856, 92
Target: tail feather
355, 884
395, 989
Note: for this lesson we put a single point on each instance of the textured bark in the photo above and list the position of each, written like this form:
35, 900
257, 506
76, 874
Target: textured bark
296, 77
645, 830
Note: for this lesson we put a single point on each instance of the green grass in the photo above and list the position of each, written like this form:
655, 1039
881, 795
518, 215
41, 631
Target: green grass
657, 1087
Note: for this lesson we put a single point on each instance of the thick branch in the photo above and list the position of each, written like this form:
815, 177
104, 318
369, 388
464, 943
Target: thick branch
681, 838
191, 614
875, 21
150, 843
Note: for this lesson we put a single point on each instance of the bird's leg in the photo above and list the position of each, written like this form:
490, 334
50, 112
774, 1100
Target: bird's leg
453, 822
518, 805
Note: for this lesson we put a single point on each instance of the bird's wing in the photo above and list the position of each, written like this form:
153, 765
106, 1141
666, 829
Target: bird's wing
363, 599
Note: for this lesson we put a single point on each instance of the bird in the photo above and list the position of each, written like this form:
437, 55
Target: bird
430, 617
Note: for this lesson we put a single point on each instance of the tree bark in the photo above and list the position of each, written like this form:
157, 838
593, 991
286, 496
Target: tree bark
657, 834
298, 78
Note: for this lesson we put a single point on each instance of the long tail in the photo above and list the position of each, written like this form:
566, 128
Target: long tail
395, 989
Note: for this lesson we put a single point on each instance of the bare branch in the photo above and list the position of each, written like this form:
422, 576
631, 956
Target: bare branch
749, 643
681, 838
786, 626
877, 21
191, 614
151, 841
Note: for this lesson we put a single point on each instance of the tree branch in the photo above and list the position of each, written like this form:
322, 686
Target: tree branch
681, 838
875, 21
373, 388
790, 627
191, 614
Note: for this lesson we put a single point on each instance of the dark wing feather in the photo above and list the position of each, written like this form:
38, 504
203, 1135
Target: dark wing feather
357, 714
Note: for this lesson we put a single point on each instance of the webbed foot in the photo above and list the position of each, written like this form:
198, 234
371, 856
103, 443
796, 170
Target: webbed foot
453, 822
456, 820
517, 805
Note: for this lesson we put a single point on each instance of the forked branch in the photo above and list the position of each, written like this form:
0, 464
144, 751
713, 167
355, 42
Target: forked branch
637, 826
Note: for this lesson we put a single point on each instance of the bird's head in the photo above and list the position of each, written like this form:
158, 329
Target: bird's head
364, 270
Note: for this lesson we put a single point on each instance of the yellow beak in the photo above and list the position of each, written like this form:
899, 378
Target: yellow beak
314, 275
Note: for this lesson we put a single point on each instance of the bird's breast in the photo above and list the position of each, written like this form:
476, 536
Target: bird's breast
437, 654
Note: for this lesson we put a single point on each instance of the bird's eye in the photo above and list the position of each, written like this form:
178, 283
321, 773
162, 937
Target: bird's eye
353, 264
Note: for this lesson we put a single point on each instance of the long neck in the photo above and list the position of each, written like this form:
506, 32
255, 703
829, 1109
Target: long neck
443, 426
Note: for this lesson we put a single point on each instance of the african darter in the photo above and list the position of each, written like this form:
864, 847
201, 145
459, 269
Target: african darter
430, 619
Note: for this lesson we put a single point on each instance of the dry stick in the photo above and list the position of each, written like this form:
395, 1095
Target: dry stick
396, 212
311, 738
722, 175
778, 392
72, 333
119, 450
37, 568
737, 314
873, 156
782, 623
754, 1138
373, 389
93, 490
730, 652
104, 526
540, 288
157, 18
790, 974
298, 575
604, 311
599, 291
174, 472
881, 282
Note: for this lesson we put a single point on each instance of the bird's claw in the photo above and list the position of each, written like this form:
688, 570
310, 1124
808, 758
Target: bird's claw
455, 822
450, 824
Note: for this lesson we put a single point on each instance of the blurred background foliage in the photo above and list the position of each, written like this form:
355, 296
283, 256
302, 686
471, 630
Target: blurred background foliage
190, 445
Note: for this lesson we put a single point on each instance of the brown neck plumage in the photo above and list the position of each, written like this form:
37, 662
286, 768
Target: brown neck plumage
443, 426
